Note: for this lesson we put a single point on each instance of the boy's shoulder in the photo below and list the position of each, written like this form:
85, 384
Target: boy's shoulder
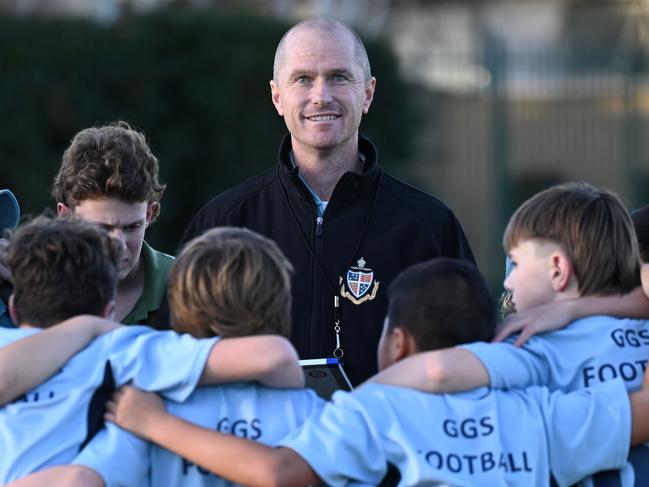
121, 334
248, 410
248, 397
379, 403
606, 320
594, 328
136, 337
9, 335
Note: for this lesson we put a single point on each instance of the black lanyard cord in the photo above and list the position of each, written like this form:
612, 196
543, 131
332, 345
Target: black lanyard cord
338, 351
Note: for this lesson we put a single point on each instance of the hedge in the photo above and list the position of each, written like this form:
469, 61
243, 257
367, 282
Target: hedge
195, 83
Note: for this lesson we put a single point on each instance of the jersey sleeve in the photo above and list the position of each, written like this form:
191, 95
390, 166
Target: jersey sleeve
592, 425
161, 361
117, 456
509, 366
340, 445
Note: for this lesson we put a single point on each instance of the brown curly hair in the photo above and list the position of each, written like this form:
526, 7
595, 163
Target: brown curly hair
112, 161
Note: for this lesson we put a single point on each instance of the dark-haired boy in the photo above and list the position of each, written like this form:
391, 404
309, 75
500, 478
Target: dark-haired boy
62, 268
461, 439
569, 241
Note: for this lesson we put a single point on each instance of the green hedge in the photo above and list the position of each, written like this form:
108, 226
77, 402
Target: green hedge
195, 83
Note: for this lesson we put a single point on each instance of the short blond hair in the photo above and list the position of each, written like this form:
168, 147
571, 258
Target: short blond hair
592, 226
231, 282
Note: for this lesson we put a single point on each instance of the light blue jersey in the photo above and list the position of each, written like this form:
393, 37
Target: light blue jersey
481, 437
244, 409
49, 424
584, 353
587, 352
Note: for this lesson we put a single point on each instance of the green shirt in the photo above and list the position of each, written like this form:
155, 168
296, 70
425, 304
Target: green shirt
156, 267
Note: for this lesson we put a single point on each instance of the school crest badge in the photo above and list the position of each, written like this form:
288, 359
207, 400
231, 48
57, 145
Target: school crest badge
359, 285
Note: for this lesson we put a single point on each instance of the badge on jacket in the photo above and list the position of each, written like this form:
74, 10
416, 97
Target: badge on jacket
359, 285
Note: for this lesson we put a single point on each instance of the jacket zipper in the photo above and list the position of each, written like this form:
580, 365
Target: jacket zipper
317, 289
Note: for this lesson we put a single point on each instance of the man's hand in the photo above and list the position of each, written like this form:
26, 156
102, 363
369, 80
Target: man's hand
135, 410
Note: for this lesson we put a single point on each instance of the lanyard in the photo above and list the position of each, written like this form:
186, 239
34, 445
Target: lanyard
338, 351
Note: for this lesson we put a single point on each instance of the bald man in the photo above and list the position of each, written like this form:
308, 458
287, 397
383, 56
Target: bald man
347, 227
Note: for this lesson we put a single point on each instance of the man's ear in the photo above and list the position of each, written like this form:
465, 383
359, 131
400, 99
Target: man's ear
12, 310
62, 209
275, 96
561, 271
369, 94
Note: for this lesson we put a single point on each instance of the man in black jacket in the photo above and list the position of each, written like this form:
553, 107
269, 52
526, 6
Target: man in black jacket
347, 227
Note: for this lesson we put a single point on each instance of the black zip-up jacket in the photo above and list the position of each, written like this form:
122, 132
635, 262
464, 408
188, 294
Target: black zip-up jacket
373, 217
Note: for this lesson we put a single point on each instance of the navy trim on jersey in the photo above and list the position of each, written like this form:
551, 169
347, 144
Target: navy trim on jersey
639, 458
607, 478
97, 405
392, 476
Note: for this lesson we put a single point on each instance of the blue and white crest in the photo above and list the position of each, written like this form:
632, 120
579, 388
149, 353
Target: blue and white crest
359, 284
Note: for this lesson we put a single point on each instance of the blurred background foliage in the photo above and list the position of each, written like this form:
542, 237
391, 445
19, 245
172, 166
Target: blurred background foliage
480, 103
195, 82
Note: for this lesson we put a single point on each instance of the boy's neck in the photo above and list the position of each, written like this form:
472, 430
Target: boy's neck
129, 291
29, 325
571, 291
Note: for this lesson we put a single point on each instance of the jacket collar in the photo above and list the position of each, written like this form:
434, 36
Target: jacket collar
348, 186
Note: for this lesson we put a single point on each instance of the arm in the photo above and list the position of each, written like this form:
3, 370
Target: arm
269, 359
241, 461
448, 370
61, 476
28, 362
556, 315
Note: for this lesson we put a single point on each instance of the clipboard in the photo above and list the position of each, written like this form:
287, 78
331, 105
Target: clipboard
325, 376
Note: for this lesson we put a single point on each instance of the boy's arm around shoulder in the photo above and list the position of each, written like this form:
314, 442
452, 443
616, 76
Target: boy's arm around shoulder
239, 460
497, 365
441, 371
268, 359
26, 363
558, 314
